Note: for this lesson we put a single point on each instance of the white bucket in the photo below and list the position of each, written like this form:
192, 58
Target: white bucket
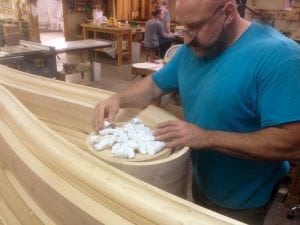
135, 52
97, 71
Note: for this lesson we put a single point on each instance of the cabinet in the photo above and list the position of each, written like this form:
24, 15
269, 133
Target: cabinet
11, 31
83, 5
79, 6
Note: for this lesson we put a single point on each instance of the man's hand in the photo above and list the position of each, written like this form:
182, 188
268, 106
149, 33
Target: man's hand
137, 95
106, 109
177, 134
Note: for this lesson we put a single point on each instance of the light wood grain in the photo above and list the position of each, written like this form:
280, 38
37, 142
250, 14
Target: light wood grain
68, 108
56, 182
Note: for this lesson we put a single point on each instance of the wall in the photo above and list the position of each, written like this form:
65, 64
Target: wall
25, 10
7, 9
272, 4
50, 14
125, 9
172, 7
284, 16
266, 4
72, 25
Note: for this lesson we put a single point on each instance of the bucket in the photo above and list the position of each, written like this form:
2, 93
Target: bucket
97, 71
135, 52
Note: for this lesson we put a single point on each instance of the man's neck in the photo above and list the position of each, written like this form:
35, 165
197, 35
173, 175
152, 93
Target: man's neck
238, 28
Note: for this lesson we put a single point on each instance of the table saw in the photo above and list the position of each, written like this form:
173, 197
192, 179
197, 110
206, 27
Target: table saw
30, 57
39, 59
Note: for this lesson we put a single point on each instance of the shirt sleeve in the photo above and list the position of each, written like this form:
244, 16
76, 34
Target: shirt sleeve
167, 77
278, 100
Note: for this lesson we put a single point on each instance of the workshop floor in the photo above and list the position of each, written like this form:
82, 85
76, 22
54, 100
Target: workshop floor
115, 78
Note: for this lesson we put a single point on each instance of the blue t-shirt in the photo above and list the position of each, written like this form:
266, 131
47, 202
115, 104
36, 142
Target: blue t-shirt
253, 84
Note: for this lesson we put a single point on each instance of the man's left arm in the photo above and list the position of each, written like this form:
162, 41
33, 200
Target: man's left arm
273, 143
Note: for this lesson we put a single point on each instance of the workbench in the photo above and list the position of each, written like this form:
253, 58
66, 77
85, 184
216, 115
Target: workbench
88, 45
118, 32
41, 59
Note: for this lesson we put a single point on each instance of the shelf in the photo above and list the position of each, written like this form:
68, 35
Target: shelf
83, 6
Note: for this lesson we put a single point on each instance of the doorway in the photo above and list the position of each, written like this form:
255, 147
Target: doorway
51, 21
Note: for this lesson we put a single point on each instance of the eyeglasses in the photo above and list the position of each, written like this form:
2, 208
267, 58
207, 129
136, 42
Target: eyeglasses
192, 32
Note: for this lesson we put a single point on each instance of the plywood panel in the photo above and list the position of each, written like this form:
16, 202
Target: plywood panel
267, 4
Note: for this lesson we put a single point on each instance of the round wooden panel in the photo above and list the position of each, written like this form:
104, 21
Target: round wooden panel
106, 154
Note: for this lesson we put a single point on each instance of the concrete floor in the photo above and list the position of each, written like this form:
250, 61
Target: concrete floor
116, 78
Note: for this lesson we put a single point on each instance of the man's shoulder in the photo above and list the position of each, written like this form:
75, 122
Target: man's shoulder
268, 40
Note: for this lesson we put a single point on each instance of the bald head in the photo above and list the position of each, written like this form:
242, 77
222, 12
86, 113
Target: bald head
191, 10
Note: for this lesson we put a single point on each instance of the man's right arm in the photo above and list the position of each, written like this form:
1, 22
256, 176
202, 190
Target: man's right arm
138, 95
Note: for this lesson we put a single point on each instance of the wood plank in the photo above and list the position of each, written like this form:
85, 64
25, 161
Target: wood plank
6, 215
19, 212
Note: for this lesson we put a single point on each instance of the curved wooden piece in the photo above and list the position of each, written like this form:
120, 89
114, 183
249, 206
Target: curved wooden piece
50, 180
67, 108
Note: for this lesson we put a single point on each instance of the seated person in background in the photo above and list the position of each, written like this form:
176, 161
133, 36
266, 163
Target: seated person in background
154, 35
98, 16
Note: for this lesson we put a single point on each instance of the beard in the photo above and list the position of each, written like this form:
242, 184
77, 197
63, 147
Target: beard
211, 50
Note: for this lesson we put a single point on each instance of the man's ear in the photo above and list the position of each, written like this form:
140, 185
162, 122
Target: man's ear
229, 11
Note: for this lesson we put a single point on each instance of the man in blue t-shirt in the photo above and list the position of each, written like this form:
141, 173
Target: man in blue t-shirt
239, 83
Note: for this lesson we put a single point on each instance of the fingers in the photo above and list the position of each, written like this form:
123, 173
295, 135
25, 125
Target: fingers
173, 140
168, 135
175, 134
168, 124
111, 114
166, 127
161, 131
98, 117
107, 109
174, 144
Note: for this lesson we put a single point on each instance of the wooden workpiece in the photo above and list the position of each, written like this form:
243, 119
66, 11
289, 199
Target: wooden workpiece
49, 177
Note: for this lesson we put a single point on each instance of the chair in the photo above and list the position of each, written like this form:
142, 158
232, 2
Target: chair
171, 52
172, 98
152, 54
